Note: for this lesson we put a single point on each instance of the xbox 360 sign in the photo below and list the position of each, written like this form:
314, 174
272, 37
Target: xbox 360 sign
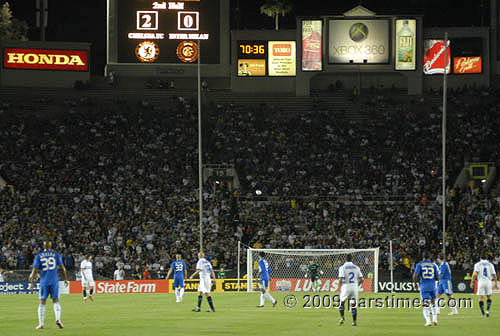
358, 41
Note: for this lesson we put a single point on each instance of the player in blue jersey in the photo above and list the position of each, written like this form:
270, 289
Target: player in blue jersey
428, 273
264, 271
179, 268
445, 286
47, 263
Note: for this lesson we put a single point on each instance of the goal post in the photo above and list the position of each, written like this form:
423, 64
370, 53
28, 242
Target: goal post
289, 268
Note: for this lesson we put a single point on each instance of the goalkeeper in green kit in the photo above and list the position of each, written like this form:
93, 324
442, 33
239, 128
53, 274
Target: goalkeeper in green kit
313, 271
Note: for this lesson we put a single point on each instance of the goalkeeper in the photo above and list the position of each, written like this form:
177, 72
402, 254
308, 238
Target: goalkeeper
313, 271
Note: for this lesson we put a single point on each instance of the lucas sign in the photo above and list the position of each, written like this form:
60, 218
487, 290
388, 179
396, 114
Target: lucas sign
46, 59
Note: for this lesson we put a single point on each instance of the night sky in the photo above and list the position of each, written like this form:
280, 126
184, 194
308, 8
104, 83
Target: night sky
85, 21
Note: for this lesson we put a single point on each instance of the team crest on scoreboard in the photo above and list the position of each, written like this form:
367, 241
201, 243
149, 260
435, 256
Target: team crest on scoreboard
187, 51
147, 51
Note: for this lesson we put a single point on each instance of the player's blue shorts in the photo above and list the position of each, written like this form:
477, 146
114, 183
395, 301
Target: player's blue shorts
178, 281
50, 288
428, 295
446, 287
264, 283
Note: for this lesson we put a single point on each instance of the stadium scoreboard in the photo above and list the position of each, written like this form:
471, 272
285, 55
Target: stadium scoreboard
166, 31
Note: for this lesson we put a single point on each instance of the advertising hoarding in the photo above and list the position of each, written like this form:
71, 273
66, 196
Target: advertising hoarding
467, 65
406, 42
467, 55
312, 48
251, 67
281, 58
305, 285
434, 52
358, 41
45, 59
123, 287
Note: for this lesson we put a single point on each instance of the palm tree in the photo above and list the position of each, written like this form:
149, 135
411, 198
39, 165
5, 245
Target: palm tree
275, 8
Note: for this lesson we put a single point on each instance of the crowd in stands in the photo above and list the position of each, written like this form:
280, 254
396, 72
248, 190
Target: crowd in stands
120, 180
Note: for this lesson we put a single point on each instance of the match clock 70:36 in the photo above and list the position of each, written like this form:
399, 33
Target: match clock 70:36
252, 49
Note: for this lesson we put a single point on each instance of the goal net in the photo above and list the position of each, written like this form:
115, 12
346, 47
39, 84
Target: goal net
289, 268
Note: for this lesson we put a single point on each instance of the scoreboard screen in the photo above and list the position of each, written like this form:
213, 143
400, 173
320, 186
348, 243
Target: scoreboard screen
167, 31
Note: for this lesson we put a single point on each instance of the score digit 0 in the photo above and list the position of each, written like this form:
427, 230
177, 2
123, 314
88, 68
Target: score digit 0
188, 21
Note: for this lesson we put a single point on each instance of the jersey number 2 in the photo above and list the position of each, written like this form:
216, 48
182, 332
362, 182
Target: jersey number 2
48, 264
351, 277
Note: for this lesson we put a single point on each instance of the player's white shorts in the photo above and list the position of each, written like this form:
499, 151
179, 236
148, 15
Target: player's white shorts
484, 288
88, 283
205, 284
349, 292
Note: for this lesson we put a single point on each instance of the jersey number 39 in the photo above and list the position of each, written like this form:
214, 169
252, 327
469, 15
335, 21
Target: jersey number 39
48, 264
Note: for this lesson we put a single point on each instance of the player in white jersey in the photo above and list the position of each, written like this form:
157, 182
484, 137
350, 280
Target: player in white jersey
204, 267
350, 276
88, 284
484, 272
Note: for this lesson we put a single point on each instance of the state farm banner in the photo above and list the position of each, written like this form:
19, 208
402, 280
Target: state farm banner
305, 285
123, 287
46, 59
434, 53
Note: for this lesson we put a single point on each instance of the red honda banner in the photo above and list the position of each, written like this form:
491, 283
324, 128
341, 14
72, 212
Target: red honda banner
123, 287
46, 59
305, 285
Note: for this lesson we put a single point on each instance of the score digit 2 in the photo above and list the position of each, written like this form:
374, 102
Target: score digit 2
147, 20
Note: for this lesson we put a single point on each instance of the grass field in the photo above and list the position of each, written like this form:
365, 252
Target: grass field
158, 314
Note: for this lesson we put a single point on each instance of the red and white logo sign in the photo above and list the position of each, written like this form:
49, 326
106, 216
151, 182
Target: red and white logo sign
124, 287
467, 65
282, 49
305, 285
46, 59
434, 52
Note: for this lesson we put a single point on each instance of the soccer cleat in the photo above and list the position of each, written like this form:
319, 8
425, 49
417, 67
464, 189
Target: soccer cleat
211, 311
59, 324
487, 313
91, 298
260, 306
40, 326
354, 324
274, 303
197, 310
341, 321
482, 315
435, 323
428, 324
